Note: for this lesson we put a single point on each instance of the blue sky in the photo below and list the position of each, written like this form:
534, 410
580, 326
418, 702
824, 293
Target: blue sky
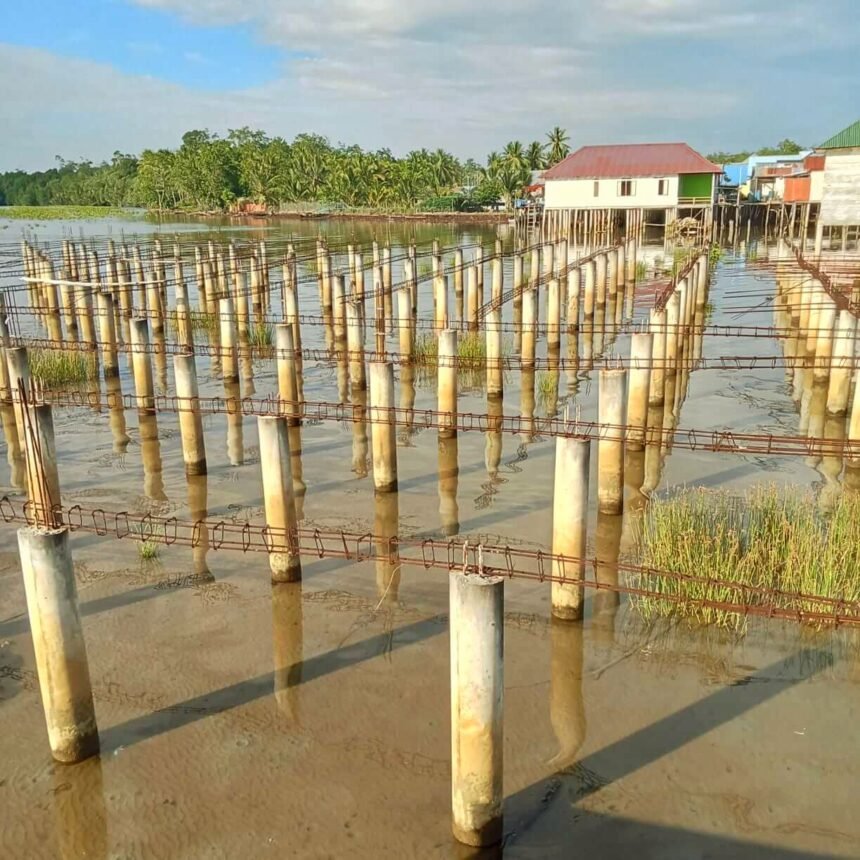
82, 79
143, 41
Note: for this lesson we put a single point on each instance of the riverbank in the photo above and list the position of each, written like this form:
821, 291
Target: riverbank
78, 213
427, 217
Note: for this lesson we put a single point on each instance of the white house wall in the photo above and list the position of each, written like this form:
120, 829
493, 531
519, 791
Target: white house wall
816, 186
840, 201
579, 194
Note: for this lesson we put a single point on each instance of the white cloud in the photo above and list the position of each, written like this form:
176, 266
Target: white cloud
464, 76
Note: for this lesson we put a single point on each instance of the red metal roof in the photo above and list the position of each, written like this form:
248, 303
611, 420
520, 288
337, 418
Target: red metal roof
631, 159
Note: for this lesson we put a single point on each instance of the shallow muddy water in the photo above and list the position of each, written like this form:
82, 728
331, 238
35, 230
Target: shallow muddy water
241, 718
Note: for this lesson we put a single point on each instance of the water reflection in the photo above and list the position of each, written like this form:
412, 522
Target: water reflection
80, 818
566, 705
160, 360
385, 528
113, 391
407, 402
816, 404
830, 467
235, 435
493, 438
527, 404
150, 451
359, 433
14, 452
198, 509
607, 545
287, 646
449, 471
300, 488
636, 503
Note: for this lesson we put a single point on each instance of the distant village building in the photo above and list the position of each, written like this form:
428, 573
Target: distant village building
761, 177
840, 192
630, 187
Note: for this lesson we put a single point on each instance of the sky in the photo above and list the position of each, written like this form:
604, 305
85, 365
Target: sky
85, 78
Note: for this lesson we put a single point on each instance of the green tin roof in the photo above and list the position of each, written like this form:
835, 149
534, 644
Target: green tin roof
847, 137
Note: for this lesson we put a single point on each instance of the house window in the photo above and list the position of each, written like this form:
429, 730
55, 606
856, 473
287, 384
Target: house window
626, 188
596, 188
662, 187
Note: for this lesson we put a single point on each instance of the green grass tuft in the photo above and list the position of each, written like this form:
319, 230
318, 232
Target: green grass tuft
261, 335
770, 538
57, 368
547, 388
471, 354
147, 548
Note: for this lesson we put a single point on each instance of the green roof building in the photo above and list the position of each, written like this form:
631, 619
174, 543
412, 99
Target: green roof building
840, 199
848, 138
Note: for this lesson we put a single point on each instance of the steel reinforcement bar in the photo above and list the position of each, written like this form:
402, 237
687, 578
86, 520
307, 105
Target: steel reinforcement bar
449, 555
693, 439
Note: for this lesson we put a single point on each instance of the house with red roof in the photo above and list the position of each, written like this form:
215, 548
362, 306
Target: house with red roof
633, 184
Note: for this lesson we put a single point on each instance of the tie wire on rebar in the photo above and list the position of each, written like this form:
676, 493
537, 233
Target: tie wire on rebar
452, 555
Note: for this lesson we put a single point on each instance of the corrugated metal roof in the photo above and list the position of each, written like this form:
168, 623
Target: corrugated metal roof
847, 137
632, 159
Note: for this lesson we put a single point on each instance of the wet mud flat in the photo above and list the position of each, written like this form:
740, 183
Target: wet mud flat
313, 719
240, 717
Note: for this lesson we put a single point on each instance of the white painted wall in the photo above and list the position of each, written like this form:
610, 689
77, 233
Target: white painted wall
840, 200
816, 185
579, 194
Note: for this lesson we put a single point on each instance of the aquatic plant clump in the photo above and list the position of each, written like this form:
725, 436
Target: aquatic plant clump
261, 335
57, 368
71, 213
201, 321
471, 359
547, 389
771, 539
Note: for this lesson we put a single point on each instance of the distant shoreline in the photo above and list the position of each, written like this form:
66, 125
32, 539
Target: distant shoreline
435, 217
66, 212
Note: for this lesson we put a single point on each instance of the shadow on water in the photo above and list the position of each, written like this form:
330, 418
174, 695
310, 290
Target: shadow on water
548, 814
243, 692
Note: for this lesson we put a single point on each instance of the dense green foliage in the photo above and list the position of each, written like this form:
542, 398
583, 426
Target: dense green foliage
208, 173
784, 147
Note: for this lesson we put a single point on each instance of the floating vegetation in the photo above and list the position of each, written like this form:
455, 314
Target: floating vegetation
73, 213
58, 368
769, 539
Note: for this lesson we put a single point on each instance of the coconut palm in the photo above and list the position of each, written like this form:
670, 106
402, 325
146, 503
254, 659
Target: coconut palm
511, 181
558, 146
515, 155
535, 157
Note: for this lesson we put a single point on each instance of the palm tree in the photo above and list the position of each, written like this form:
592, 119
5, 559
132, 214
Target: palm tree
558, 146
534, 156
511, 182
515, 155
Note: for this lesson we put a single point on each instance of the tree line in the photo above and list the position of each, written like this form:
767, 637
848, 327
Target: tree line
209, 173
784, 147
